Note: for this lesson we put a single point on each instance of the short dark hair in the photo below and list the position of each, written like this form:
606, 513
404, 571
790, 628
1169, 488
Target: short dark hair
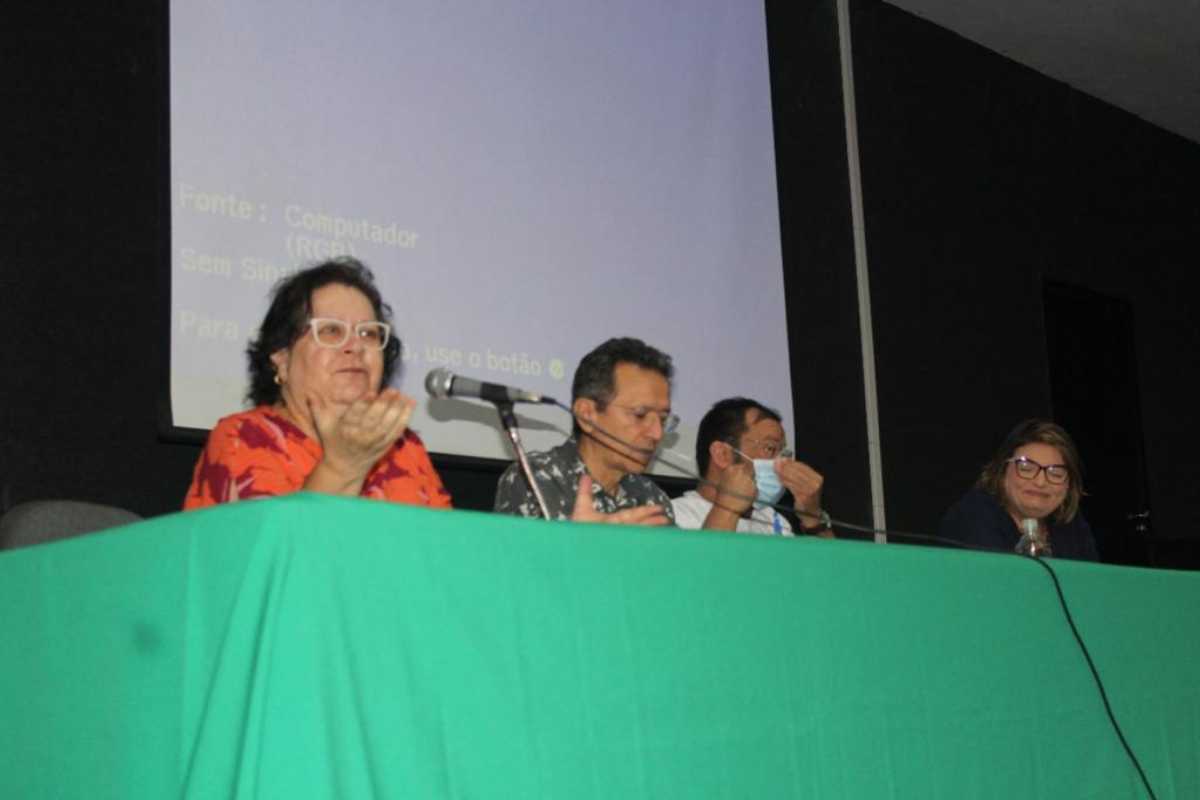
595, 375
1039, 431
291, 309
726, 422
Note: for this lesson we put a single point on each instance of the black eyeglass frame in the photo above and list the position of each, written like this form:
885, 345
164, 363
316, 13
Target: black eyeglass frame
1022, 464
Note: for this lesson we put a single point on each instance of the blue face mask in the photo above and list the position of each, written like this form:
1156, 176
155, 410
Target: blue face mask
770, 488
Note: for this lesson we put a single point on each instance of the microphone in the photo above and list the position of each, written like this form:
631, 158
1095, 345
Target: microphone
442, 383
1032, 543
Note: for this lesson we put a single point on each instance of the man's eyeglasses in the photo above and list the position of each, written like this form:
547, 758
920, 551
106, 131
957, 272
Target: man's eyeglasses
771, 448
642, 415
329, 332
1028, 469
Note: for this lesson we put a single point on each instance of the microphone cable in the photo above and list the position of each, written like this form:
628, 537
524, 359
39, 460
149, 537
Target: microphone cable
1095, 675
832, 523
1062, 602
689, 473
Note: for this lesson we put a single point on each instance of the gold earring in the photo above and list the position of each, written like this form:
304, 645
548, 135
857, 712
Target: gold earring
278, 379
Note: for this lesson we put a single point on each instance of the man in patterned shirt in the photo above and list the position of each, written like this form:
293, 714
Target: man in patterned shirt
621, 399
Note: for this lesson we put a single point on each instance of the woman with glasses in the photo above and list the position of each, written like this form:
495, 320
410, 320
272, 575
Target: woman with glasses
1035, 475
323, 419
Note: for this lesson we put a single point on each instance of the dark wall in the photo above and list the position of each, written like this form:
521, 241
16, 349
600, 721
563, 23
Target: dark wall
981, 178
82, 325
818, 253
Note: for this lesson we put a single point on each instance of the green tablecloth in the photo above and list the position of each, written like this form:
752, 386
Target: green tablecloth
315, 647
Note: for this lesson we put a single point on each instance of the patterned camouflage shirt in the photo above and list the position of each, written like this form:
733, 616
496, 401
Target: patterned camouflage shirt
557, 472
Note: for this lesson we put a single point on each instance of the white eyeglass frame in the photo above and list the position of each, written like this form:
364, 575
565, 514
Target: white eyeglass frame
358, 329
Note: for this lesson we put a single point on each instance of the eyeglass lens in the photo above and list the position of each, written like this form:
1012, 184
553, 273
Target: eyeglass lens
641, 415
1028, 469
772, 448
336, 332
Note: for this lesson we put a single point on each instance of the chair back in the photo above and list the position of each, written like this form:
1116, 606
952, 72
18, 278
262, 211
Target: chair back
42, 521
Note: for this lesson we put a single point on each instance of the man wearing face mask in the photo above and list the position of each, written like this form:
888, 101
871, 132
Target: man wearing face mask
741, 451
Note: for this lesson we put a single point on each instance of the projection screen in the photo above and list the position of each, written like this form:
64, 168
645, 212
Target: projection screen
525, 179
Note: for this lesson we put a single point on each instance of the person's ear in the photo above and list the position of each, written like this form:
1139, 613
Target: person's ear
720, 454
280, 359
584, 409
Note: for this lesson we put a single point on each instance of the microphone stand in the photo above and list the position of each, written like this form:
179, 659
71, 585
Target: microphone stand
509, 420
1031, 543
